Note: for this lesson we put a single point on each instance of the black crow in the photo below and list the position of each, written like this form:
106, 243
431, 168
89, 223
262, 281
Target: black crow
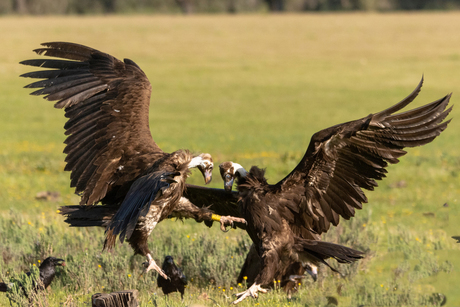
177, 280
47, 272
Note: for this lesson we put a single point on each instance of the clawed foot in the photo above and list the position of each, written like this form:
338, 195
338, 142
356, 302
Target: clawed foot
151, 264
294, 278
252, 292
228, 221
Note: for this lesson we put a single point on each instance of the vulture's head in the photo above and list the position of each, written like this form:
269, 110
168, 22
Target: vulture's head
229, 171
204, 163
51, 261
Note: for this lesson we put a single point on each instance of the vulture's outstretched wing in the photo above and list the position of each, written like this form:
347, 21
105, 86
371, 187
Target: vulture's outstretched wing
107, 104
343, 159
218, 201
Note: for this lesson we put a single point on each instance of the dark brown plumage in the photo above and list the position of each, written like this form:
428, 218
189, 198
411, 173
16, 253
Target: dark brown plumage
288, 281
110, 151
177, 280
285, 220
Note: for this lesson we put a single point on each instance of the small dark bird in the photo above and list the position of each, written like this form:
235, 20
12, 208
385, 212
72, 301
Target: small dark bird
177, 280
47, 272
111, 154
285, 220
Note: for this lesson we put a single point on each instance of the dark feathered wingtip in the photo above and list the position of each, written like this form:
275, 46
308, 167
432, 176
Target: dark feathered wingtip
400, 105
73, 47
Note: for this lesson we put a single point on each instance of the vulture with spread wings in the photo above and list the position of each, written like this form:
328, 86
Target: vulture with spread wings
110, 151
285, 220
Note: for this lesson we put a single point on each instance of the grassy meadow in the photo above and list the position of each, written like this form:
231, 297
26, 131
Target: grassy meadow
252, 89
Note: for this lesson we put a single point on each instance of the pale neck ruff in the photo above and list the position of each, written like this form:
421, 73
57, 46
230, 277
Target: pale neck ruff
195, 162
239, 169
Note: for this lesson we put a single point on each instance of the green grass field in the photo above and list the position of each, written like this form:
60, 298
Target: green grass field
252, 89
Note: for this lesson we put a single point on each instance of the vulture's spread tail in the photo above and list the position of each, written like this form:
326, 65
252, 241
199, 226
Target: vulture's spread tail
3, 287
88, 216
325, 250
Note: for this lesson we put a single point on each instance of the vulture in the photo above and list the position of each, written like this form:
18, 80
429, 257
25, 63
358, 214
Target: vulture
285, 220
47, 272
111, 154
177, 280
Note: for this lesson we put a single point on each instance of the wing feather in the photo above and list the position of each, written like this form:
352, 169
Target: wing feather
218, 201
344, 159
144, 192
106, 102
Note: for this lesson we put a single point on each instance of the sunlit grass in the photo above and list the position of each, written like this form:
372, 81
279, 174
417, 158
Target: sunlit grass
251, 89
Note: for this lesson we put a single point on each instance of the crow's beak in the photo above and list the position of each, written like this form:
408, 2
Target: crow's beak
228, 185
60, 262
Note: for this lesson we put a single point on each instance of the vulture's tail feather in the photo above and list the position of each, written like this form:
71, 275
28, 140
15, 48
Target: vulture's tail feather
88, 216
325, 250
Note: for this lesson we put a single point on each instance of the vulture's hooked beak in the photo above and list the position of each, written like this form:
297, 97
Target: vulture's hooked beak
228, 184
312, 270
207, 174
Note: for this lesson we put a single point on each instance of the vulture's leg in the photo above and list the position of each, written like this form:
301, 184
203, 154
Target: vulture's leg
252, 292
151, 264
269, 263
186, 209
138, 242
294, 278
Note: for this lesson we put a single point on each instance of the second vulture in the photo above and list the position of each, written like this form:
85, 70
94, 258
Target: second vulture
111, 154
285, 220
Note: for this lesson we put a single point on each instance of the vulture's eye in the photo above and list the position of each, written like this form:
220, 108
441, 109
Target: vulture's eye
228, 177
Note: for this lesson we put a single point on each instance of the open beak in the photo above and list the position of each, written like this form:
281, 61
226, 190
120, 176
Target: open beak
228, 185
60, 262
207, 174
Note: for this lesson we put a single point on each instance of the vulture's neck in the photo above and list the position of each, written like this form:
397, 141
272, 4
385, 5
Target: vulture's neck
195, 162
239, 170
